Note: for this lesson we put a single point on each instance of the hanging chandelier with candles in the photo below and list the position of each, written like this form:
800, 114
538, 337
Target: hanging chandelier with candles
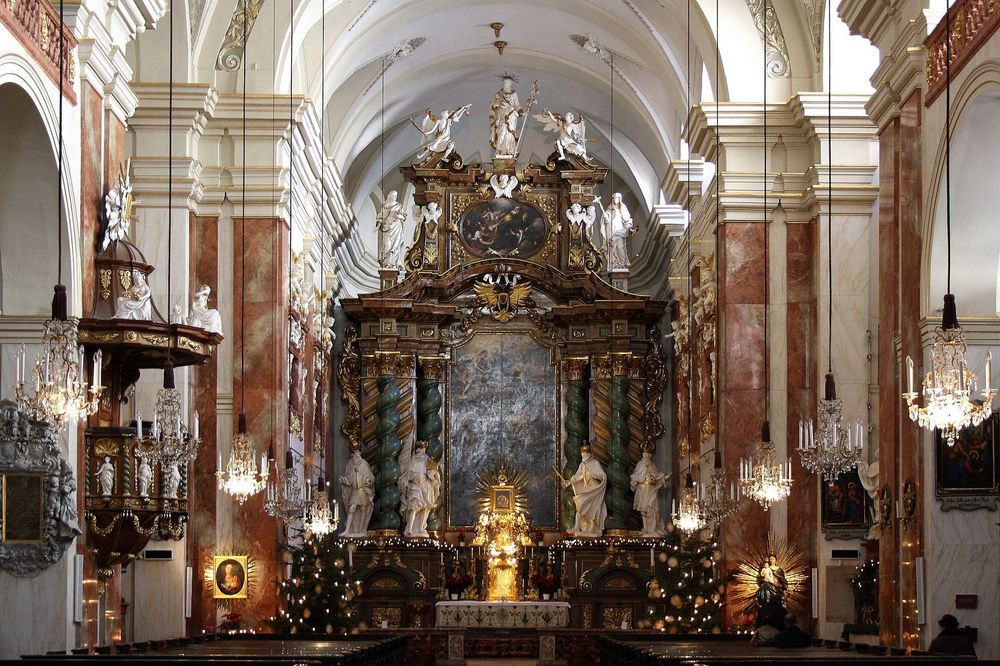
61, 394
948, 387
717, 500
763, 478
319, 519
286, 496
241, 477
688, 518
169, 441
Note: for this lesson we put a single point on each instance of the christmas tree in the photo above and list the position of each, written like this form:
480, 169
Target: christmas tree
691, 585
319, 596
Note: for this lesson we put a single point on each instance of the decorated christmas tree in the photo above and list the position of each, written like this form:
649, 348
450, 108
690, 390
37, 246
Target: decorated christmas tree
691, 585
319, 596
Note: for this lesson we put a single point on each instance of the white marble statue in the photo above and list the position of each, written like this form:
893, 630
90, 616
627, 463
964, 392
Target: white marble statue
390, 221
572, 130
118, 209
868, 473
437, 133
136, 303
145, 477
358, 488
617, 226
581, 218
173, 482
177, 315
503, 185
588, 483
504, 113
203, 316
646, 481
106, 477
420, 484
430, 215
65, 511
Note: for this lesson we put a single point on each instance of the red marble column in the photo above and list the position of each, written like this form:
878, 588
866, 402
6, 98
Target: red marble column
910, 451
741, 331
92, 182
801, 391
201, 531
260, 387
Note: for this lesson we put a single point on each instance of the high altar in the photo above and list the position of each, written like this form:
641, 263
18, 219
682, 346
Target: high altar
507, 339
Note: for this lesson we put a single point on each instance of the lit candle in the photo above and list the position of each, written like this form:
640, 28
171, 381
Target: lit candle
197, 424
336, 513
156, 425
651, 563
46, 368
989, 369
82, 362
138, 424
99, 368
219, 466
909, 374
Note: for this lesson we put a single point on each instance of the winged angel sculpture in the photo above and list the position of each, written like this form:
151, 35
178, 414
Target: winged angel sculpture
503, 295
437, 133
572, 132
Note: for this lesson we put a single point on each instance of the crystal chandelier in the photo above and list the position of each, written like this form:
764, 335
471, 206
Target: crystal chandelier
836, 449
285, 494
241, 478
318, 519
170, 442
689, 519
764, 479
716, 502
61, 394
948, 386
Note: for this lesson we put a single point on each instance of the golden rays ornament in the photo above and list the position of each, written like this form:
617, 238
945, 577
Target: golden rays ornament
771, 569
502, 475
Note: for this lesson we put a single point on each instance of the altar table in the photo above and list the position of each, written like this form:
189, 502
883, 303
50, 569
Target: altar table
500, 614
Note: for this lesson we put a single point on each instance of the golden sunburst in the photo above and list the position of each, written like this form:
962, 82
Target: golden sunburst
501, 473
743, 590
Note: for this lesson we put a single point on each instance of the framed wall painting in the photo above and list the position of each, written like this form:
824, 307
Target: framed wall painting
230, 577
846, 509
968, 474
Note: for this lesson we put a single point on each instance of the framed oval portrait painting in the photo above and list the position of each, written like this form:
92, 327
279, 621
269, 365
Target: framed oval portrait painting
503, 227
230, 577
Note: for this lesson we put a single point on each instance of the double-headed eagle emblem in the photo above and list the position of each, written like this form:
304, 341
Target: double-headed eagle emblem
503, 294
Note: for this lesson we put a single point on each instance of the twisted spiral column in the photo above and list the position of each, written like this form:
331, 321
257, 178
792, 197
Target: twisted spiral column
577, 423
387, 498
429, 424
619, 493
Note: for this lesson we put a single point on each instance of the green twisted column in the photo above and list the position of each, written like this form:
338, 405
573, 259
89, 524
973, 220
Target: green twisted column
429, 424
387, 499
619, 493
577, 423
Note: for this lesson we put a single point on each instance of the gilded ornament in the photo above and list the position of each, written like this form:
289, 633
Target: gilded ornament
106, 447
105, 278
156, 339
433, 367
503, 294
574, 368
614, 618
125, 278
43, 28
765, 18
232, 51
190, 344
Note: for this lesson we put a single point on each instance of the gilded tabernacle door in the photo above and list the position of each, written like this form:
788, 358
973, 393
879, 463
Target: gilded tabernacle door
503, 398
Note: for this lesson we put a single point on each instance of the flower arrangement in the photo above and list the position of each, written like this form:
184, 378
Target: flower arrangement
461, 538
231, 622
545, 582
458, 582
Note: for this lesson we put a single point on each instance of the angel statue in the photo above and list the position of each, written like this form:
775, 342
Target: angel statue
581, 219
420, 485
503, 185
390, 221
572, 131
616, 226
437, 133
203, 316
119, 209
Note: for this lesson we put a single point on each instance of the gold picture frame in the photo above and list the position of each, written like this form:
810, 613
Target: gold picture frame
502, 499
230, 577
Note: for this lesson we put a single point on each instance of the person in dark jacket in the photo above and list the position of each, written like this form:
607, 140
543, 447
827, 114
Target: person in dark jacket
951, 640
792, 636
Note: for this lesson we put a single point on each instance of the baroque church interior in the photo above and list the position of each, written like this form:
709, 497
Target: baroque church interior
436, 332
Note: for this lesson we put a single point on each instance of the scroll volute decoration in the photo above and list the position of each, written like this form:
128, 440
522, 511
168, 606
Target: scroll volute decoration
349, 377
40, 518
656, 380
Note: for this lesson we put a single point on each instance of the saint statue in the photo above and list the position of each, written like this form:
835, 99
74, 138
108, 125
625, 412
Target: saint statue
572, 130
581, 219
420, 485
65, 512
203, 316
173, 482
868, 473
144, 476
504, 113
437, 133
357, 486
771, 584
390, 221
588, 484
646, 481
106, 477
617, 226
136, 304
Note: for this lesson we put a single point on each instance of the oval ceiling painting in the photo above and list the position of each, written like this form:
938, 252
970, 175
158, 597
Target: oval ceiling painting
503, 228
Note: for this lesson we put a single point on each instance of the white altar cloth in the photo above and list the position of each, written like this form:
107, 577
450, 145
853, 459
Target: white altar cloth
510, 614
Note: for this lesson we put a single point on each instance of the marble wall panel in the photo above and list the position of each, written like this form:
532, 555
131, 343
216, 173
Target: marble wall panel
91, 187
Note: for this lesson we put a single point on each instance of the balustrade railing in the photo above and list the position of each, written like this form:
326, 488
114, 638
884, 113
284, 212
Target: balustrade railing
35, 23
973, 22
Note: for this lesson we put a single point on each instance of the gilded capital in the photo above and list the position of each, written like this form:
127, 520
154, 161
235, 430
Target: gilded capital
574, 368
433, 367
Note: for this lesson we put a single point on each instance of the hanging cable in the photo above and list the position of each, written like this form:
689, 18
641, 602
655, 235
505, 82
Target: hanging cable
829, 187
168, 369
243, 233
59, 299
690, 239
718, 204
947, 140
767, 269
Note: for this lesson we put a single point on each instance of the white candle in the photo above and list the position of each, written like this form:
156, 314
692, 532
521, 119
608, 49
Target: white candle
156, 425
197, 424
989, 370
909, 374
82, 363
651, 563
219, 467
99, 368
138, 424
